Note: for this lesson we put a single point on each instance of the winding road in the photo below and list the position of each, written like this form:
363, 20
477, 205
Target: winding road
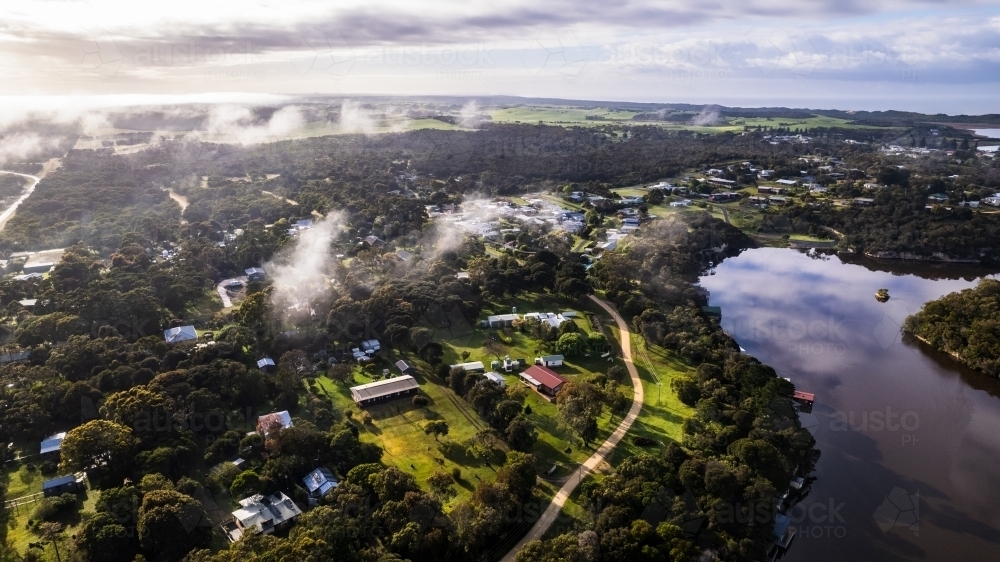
9, 211
603, 452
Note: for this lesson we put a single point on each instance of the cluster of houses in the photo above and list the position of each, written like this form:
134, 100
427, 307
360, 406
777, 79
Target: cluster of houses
554, 319
482, 217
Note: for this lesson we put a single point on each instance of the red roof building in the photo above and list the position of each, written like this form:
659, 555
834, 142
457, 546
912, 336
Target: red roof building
543, 379
805, 397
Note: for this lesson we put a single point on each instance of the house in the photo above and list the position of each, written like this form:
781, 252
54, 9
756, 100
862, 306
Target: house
787, 182
721, 181
871, 185
863, 201
725, 196
549, 360
771, 189
497, 378
681, 203
766, 173
632, 200
631, 222
405, 367
303, 224
265, 364
471, 366
462, 275
28, 277
993, 201
319, 482
255, 274
272, 421
374, 241
360, 356
543, 379
938, 197
180, 334
371, 346
14, 356
38, 267
61, 485
385, 389
51, 445
266, 514
777, 200
404, 256
502, 320
755, 200
551, 318
804, 398
783, 531
970, 204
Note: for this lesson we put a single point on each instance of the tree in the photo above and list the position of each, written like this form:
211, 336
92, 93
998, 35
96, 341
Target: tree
171, 524
520, 434
106, 539
571, 344
52, 532
441, 484
617, 373
246, 484
437, 428
98, 446
518, 475
579, 404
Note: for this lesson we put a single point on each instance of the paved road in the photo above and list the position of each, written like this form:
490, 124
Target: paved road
603, 452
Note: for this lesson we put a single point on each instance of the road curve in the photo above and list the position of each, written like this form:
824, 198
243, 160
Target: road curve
9, 211
602, 453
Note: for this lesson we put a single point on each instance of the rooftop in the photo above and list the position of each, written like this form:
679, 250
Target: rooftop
384, 387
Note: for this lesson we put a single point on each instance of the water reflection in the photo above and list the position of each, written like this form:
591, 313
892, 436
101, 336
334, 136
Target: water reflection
895, 420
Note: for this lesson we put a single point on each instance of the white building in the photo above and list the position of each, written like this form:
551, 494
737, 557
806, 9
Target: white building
266, 514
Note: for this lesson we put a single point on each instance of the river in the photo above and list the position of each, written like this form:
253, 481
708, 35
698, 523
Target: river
910, 440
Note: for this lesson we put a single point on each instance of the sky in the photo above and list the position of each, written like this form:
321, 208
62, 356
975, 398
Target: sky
928, 56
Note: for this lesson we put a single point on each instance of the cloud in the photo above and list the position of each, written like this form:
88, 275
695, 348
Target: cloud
22, 146
300, 272
241, 124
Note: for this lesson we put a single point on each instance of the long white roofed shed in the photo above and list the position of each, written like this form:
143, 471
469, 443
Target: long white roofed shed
386, 389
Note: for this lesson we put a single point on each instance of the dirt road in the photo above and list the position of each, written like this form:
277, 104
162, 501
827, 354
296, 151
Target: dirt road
603, 452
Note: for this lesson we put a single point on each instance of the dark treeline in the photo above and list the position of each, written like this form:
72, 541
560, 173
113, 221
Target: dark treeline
965, 324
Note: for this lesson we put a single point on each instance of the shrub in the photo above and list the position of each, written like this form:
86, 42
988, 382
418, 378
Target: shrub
51, 508
420, 401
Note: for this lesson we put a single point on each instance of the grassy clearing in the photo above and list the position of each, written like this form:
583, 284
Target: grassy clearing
662, 414
22, 481
398, 426
560, 115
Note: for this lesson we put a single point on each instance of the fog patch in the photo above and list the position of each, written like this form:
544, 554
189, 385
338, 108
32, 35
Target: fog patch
301, 271
707, 117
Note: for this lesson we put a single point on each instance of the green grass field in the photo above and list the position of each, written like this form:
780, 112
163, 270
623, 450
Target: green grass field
597, 116
560, 115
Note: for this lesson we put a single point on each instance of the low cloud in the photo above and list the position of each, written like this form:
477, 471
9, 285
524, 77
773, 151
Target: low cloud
301, 271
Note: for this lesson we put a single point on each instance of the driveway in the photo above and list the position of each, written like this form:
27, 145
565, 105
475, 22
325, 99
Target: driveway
603, 452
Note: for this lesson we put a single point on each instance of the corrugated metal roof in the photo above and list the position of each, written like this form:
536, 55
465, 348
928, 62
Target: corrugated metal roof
384, 387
